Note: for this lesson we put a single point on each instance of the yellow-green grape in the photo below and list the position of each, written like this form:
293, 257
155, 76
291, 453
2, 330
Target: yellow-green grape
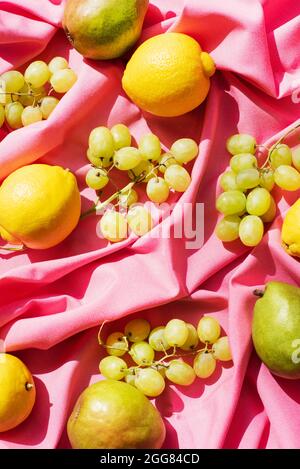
7, 98
31, 115
243, 161
2, 115
185, 150
127, 158
157, 339
97, 178
137, 330
150, 147
231, 202
221, 350
12, 81
47, 105
241, 143
37, 74
101, 143
126, 199
30, 95
178, 178
161, 369
139, 220
98, 162
57, 63
63, 80
180, 373
158, 190
145, 170
208, 329
247, 179
142, 353
251, 230
150, 382
204, 365
13, 115
258, 201
271, 213
176, 333
113, 368
266, 179
296, 158
116, 344
227, 229
121, 136
280, 155
192, 339
166, 160
130, 376
113, 226
228, 181
287, 178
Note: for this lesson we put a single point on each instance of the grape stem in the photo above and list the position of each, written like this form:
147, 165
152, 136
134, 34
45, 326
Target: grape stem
279, 142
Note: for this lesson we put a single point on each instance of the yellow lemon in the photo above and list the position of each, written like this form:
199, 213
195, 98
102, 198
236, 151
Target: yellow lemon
39, 206
168, 75
290, 233
17, 392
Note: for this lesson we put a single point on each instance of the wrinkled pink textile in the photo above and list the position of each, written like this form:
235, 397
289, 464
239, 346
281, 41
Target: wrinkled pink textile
51, 302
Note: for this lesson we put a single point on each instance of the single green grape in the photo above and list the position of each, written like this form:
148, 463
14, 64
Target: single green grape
192, 339
228, 181
47, 105
247, 179
144, 171
241, 143
101, 143
184, 150
121, 136
116, 344
113, 367
287, 178
63, 80
177, 178
166, 160
127, 158
258, 201
227, 229
150, 147
280, 155
139, 220
130, 376
157, 340
157, 190
271, 213
243, 161
57, 63
204, 365
98, 162
181, 373
231, 202
37, 74
31, 115
137, 330
150, 382
12, 81
97, 178
142, 353
266, 179
221, 349
176, 333
13, 115
113, 226
251, 230
208, 329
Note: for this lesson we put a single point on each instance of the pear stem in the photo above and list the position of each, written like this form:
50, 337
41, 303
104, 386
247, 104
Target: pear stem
259, 293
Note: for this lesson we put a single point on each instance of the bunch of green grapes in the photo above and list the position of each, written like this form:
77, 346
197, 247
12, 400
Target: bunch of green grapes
173, 342
24, 99
247, 201
160, 172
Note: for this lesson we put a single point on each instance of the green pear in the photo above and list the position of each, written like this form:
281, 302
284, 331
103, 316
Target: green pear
115, 415
104, 29
276, 329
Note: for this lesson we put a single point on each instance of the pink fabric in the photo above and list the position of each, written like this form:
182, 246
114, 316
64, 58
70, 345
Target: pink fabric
51, 302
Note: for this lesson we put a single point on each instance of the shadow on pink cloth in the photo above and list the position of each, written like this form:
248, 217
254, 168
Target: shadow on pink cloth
51, 302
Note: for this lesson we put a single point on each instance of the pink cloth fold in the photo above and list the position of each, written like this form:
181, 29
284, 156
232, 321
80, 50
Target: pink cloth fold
51, 302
